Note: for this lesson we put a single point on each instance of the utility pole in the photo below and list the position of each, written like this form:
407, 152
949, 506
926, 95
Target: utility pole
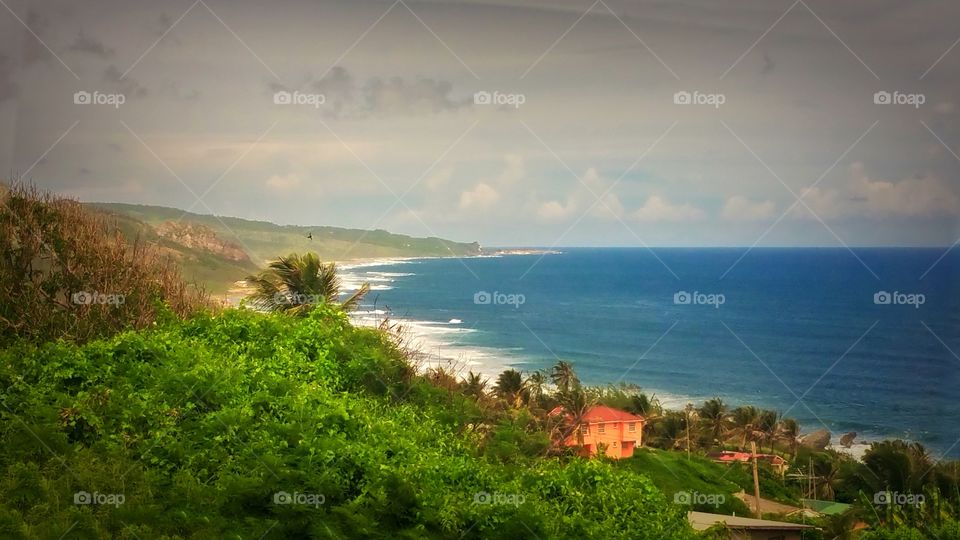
756, 478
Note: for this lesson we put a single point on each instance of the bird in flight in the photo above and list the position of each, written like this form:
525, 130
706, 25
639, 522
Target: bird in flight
310, 235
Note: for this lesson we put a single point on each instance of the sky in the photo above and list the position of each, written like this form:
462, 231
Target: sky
561, 123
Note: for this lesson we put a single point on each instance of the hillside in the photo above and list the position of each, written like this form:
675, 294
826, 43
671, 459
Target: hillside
245, 425
209, 247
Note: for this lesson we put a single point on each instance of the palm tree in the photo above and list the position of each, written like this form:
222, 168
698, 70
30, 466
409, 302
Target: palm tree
510, 387
650, 409
745, 422
296, 283
576, 403
789, 432
671, 430
535, 384
564, 377
767, 425
716, 419
475, 385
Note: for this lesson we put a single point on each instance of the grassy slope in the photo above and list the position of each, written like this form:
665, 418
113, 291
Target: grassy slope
672, 472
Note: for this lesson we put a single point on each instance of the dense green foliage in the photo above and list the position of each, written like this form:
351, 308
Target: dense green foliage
199, 425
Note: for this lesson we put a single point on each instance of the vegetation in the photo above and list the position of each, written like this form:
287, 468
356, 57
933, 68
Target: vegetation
161, 417
262, 240
71, 274
296, 283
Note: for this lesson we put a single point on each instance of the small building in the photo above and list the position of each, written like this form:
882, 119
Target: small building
616, 432
728, 456
742, 528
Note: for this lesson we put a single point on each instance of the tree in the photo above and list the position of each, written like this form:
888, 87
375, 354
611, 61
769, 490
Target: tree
536, 383
564, 377
475, 385
768, 425
296, 283
789, 433
715, 418
575, 403
510, 387
745, 422
650, 409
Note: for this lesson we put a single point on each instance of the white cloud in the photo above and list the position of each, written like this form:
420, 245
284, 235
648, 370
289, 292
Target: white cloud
556, 211
283, 182
482, 196
918, 196
659, 209
740, 208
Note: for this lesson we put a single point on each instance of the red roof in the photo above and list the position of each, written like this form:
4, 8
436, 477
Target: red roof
601, 413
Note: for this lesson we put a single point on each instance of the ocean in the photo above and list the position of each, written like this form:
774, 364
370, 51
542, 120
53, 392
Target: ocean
863, 340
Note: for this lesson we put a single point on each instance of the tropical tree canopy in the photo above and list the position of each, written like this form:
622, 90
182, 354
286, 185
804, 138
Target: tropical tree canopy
296, 283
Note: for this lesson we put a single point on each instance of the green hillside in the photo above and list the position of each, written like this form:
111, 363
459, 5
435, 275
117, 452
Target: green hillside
262, 241
245, 425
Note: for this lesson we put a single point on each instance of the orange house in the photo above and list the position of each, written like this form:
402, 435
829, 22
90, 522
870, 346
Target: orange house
618, 431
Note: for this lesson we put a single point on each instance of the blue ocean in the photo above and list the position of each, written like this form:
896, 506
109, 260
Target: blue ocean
863, 340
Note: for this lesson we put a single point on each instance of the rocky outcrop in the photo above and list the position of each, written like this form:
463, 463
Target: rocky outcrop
817, 440
201, 238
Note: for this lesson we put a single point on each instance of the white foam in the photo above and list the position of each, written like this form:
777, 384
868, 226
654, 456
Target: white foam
439, 344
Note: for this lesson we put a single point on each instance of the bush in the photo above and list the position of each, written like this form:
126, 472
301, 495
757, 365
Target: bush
246, 425
68, 272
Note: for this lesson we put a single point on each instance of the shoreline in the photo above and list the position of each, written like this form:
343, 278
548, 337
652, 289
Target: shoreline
440, 342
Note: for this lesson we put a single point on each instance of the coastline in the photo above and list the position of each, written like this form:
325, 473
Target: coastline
440, 343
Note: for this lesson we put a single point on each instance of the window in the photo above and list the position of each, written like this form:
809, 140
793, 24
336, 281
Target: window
584, 429
632, 427
600, 428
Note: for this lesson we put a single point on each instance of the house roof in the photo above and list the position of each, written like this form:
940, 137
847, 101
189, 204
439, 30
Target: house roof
825, 507
602, 413
704, 520
730, 456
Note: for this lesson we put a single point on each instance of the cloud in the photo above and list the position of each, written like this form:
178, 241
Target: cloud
8, 87
921, 196
346, 97
125, 85
556, 211
284, 182
740, 208
396, 96
33, 50
86, 44
481, 197
659, 209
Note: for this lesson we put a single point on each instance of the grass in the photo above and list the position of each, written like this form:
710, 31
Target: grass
707, 482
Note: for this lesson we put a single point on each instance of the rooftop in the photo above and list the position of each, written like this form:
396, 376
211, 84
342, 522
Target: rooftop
703, 520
